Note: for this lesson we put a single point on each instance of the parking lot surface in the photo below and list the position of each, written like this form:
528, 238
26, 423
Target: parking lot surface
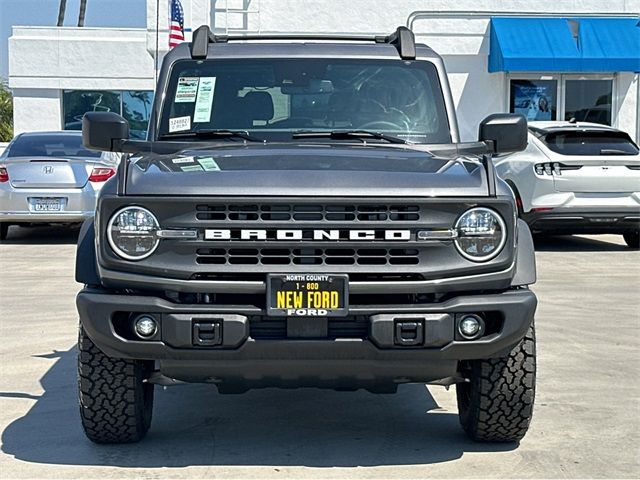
586, 421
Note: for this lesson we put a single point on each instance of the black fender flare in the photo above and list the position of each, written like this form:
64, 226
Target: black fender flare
525, 257
86, 263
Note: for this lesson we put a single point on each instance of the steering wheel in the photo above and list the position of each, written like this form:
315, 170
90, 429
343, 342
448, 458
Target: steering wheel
293, 122
403, 116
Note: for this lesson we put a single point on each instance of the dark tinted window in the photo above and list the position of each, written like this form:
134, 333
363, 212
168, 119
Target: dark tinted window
136, 109
274, 97
588, 100
590, 143
50, 146
133, 105
76, 102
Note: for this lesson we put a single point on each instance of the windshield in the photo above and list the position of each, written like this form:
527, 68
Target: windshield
50, 146
275, 98
590, 143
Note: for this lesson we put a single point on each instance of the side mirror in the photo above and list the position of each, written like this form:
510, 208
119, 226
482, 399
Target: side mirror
506, 132
104, 131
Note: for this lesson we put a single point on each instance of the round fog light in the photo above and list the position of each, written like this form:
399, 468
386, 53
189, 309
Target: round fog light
146, 327
470, 327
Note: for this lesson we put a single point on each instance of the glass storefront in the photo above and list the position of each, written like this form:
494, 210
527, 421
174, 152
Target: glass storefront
562, 97
588, 100
133, 105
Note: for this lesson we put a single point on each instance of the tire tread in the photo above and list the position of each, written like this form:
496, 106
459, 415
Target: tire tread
496, 405
115, 404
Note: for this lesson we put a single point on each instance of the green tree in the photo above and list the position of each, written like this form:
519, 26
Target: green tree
6, 113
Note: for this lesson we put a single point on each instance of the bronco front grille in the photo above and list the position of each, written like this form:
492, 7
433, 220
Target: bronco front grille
308, 213
307, 256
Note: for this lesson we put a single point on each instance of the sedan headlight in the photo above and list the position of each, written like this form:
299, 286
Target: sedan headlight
132, 233
481, 234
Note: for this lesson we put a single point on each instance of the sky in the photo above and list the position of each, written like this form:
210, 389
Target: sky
100, 13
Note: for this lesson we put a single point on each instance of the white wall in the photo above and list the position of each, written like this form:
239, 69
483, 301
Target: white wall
36, 109
380, 16
628, 104
43, 61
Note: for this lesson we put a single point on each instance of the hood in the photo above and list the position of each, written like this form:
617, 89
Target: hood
306, 170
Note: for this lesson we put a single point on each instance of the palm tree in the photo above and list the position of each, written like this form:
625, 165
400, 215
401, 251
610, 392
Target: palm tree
83, 9
145, 98
63, 7
6, 114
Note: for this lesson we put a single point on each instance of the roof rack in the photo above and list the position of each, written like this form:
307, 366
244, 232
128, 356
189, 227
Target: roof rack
403, 39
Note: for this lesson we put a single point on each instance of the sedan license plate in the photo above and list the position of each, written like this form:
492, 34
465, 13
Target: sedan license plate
47, 204
307, 295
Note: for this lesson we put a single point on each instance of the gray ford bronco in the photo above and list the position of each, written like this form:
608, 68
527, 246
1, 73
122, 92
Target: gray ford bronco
303, 214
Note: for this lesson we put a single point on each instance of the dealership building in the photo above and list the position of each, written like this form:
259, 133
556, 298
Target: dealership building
547, 60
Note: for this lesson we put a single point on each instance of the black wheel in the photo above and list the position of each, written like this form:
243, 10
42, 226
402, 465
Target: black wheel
4, 230
496, 405
115, 404
632, 239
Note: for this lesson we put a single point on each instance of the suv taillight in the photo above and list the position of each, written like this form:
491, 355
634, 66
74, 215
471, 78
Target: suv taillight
554, 168
101, 174
4, 175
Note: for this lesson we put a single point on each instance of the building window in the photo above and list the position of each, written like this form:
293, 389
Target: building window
535, 99
563, 97
588, 100
134, 106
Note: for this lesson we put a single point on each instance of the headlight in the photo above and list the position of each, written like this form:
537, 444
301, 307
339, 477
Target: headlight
132, 233
481, 234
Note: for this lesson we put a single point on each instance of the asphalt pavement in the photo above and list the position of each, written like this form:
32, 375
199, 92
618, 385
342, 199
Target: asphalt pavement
586, 420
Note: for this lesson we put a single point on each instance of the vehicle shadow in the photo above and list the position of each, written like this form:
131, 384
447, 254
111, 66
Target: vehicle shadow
574, 243
194, 425
43, 235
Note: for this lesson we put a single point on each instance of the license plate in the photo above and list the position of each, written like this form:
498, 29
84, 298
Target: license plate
47, 204
307, 295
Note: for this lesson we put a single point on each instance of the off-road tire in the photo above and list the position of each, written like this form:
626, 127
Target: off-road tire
632, 239
4, 230
496, 405
115, 404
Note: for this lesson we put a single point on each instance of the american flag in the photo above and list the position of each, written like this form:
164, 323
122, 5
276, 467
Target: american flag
176, 27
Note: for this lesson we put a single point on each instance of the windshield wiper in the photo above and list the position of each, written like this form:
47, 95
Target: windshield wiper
346, 134
214, 133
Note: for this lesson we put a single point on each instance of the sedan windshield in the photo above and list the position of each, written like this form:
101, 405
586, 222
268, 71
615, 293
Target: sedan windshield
56, 145
277, 99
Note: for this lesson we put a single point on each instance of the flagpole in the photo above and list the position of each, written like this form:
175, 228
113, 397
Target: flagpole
157, 36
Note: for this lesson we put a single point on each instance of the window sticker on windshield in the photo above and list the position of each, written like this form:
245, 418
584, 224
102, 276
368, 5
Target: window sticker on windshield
208, 164
183, 160
191, 168
186, 90
179, 124
204, 100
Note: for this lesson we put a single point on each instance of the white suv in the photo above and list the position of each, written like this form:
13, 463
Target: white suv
577, 177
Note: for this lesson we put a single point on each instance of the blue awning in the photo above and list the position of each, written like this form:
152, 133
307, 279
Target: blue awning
528, 44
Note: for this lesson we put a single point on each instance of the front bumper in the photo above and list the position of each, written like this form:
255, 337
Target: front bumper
241, 361
586, 221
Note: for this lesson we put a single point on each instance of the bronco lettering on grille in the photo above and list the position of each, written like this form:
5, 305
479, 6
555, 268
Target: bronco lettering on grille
299, 234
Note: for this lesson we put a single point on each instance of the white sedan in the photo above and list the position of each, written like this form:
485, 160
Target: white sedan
49, 177
577, 177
